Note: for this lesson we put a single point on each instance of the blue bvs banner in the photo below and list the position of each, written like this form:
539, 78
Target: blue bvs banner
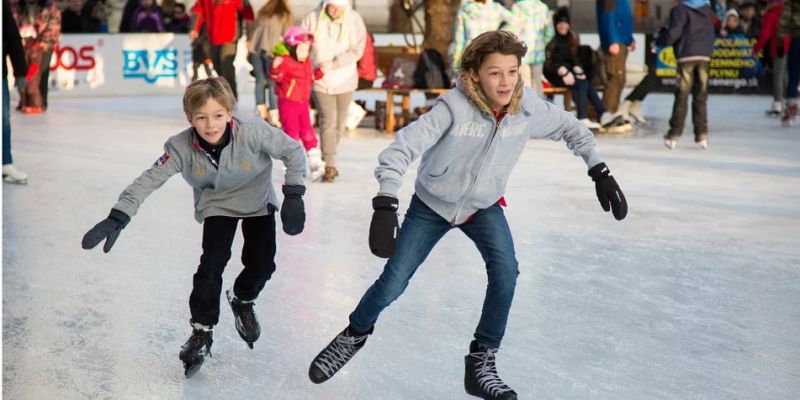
733, 66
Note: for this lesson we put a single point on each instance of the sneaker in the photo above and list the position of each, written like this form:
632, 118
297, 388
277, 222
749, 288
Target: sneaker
194, 351
336, 354
590, 124
13, 175
245, 317
330, 174
670, 143
480, 374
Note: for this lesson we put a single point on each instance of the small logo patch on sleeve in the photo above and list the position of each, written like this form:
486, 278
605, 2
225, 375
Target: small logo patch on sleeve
162, 160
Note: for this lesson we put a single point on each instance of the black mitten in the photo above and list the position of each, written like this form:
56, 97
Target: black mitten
608, 192
384, 227
293, 213
107, 229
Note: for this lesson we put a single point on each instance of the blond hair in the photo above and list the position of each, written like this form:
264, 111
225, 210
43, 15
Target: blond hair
199, 91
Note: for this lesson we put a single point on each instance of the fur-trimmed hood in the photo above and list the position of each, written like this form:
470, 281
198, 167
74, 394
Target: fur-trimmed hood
476, 95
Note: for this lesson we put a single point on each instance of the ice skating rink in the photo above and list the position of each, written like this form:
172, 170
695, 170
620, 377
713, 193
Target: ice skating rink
696, 295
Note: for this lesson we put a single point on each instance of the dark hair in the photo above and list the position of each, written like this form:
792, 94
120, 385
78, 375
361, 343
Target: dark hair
499, 41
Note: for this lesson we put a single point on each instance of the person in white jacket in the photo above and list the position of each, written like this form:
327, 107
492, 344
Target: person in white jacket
339, 40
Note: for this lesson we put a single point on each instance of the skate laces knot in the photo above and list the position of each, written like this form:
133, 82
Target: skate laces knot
339, 353
486, 372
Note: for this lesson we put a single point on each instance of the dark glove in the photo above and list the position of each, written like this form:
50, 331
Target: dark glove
384, 227
20, 83
107, 229
293, 213
608, 192
779, 49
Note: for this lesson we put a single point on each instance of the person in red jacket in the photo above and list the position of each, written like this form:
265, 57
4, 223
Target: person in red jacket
768, 39
221, 20
367, 66
293, 76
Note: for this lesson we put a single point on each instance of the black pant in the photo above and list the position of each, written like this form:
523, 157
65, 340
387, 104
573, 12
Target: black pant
222, 57
258, 257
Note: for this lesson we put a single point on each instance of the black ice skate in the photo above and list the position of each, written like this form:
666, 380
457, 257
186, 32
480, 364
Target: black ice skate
338, 352
245, 317
194, 351
480, 376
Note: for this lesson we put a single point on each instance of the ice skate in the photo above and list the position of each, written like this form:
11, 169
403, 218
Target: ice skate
635, 112
194, 351
336, 354
13, 175
614, 123
590, 124
480, 374
273, 118
670, 143
789, 115
245, 317
775, 111
316, 167
262, 111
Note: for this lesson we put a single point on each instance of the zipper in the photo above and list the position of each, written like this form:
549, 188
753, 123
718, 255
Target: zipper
291, 87
477, 174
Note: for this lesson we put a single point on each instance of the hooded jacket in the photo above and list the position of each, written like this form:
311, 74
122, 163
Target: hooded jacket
221, 19
241, 184
338, 45
293, 79
769, 32
467, 155
690, 31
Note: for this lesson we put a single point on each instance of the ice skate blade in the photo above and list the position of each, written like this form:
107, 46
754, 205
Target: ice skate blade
8, 179
190, 370
250, 345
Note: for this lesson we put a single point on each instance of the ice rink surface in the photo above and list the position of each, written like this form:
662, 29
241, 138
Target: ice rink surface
696, 295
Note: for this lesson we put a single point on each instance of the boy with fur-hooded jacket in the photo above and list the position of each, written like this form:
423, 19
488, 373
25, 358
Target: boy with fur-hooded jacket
468, 142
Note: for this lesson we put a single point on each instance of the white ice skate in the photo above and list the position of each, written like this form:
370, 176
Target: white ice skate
274, 119
13, 175
316, 167
776, 110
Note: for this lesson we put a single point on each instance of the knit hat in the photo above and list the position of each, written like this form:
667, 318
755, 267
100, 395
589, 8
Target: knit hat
341, 3
561, 15
732, 12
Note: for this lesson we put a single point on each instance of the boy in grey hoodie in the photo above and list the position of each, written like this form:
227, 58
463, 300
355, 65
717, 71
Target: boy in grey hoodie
469, 142
228, 163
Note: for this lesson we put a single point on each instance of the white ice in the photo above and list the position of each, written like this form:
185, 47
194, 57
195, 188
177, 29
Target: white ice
696, 295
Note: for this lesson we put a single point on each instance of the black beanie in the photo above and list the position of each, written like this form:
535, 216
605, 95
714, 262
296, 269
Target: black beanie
561, 15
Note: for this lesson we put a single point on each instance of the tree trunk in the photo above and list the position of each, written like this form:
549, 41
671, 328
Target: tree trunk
440, 18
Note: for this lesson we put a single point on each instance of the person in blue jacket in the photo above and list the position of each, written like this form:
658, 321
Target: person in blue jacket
468, 142
615, 26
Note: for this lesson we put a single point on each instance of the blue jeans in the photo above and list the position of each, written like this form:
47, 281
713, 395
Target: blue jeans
583, 90
421, 230
261, 65
6, 124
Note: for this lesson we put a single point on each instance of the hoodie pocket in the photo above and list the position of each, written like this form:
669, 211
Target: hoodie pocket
442, 183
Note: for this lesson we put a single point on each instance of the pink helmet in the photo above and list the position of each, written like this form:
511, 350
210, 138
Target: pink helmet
297, 34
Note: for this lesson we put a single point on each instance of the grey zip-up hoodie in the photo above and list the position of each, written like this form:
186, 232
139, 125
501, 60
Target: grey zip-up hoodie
240, 187
467, 156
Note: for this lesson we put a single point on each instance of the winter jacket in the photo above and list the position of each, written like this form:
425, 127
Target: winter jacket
240, 187
147, 21
474, 18
367, 66
533, 27
12, 45
268, 33
561, 52
221, 19
338, 45
769, 32
614, 22
41, 31
690, 31
467, 155
293, 79
790, 19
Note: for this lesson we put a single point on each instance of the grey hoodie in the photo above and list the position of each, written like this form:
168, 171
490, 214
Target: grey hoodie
467, 156
241, 187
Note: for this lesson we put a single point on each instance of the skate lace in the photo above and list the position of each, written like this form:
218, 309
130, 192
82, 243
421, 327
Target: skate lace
248, 316
486, 372
198, 341
339, 353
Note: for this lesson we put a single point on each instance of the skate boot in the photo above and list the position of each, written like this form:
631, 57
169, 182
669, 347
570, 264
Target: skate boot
274, 119
194, 351
245, 317
330, 174
13, 175
316, 167
338, 352
614, 123
776, 110
480, 375
635, 112
789, 115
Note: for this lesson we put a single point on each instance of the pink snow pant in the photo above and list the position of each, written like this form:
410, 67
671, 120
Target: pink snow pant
296, 121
